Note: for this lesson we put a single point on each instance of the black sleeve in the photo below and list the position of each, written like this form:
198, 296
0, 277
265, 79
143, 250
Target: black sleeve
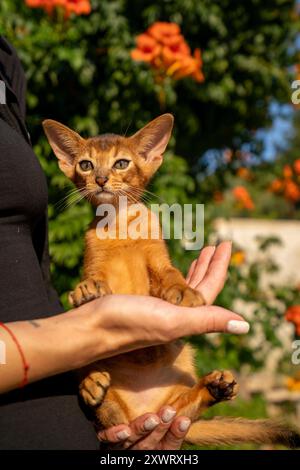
12, 73
13, 113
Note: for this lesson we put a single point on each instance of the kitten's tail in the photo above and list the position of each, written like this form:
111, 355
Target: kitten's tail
225, 431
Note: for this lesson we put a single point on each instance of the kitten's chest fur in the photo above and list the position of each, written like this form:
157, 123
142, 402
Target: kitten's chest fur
124, 261
127, 272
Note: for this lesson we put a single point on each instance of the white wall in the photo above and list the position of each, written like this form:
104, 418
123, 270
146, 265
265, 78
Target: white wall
244, 232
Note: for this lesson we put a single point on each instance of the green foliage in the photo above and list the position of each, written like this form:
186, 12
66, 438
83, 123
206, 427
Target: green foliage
80, 73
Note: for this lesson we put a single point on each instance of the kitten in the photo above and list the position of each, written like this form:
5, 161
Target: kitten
121, 388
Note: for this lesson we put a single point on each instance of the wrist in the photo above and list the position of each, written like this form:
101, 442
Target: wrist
77, 340
56, 344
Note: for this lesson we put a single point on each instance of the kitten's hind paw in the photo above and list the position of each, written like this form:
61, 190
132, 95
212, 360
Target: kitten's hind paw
88, 290
94, 387
221, 385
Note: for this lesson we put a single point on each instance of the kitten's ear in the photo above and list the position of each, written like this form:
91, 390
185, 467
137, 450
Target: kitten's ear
65, 143
151, 141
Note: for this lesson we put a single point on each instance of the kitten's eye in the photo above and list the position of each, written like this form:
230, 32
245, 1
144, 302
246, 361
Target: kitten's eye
86, 165
121, 164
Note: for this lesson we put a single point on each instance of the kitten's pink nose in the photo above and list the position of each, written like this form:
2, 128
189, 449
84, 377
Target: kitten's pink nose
101, 180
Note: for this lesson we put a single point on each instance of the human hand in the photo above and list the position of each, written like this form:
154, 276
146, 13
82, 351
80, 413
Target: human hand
116, 324
208, 272
161, 431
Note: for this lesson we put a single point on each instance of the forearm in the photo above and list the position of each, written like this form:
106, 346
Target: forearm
50, 346
106, 327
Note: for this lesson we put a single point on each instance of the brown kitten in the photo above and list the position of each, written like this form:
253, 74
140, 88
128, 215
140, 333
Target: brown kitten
121, 388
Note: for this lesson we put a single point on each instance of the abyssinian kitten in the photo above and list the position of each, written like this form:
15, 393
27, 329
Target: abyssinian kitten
123, 387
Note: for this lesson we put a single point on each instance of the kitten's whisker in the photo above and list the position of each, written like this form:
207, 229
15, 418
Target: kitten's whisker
153, 195
73, 203
76, 198
135, 194
129, 196
141, 196
141, 191
70, 193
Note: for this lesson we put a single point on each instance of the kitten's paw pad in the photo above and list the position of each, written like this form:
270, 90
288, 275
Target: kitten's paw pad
183, 295
221, 385
88, 290
94, 387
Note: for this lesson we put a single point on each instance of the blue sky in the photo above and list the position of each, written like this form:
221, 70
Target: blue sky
276, 137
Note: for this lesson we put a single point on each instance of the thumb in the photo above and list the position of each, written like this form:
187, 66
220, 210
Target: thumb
210, 319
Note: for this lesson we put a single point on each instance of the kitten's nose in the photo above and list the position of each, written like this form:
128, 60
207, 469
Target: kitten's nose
101, 180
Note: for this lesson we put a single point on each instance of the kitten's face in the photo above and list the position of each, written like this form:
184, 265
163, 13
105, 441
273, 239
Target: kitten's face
109, 166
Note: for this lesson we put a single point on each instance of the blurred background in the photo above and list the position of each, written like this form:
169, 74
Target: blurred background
225, 70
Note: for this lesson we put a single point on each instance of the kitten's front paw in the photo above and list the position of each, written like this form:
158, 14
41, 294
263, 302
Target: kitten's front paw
88, 290
94, 387
183, 295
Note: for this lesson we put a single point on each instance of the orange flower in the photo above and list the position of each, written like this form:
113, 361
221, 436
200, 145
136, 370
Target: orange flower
287, 172
249, 205
164, 32
243, 197
79, 7
240, 192
276, 185
47, 5
244, 173
34, 3
293, 384
238, 258
190, 67
147, 48
292, 191
164, 47
297, 166
292, 315
176, 51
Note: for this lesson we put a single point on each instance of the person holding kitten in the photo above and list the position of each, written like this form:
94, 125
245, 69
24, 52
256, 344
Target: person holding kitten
39, 406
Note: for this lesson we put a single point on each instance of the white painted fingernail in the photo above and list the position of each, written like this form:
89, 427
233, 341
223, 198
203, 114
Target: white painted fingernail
151, 423
238, 327
168, 415
184, 425
122, 435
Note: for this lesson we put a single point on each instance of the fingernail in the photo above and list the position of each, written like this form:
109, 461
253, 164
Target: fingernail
122, 435
168, 415
151, 423
184, 425
238, 327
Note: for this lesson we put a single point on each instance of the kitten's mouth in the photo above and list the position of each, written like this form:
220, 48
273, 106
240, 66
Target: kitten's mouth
104, 194
103, 190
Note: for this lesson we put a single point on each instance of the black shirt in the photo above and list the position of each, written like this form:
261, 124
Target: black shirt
45, 414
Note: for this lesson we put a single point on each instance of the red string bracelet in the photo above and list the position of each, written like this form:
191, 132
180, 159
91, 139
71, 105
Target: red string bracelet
25, 364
